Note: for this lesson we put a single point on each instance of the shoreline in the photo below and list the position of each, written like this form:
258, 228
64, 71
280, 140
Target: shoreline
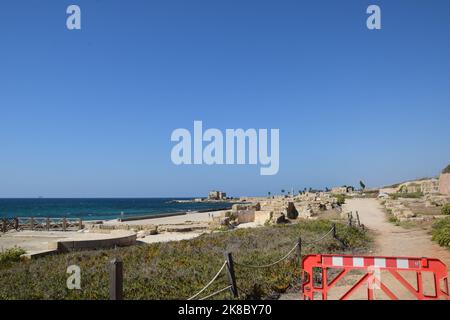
124, 218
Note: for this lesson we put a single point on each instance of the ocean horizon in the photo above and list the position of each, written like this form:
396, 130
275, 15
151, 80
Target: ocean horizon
99, 208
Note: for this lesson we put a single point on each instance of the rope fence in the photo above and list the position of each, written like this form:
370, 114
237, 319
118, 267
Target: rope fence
209, 283
228, 265
233, 287
270, 264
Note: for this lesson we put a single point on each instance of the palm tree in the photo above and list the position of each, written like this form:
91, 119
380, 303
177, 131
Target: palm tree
363, 186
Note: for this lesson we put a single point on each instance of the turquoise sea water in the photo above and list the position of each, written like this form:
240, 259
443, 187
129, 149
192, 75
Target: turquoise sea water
98, 209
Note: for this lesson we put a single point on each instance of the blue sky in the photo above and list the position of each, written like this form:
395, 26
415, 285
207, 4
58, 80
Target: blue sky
89, 113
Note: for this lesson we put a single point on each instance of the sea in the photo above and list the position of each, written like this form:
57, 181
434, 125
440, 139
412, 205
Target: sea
100, 209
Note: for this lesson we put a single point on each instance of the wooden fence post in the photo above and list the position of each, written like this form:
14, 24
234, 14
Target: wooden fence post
16, 224
116, 279
335, 236
47, 224
231, 275
4, 225
357, 219
32, 223
80, 224
64, 224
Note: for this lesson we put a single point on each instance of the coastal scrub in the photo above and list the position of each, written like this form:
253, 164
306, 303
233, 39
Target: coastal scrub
177, 270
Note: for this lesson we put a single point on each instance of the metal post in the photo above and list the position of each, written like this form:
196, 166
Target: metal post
116, 279
231, 275
299, 253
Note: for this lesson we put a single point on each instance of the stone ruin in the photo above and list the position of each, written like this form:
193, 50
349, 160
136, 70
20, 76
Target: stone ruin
278, 210
436, 200
398, 209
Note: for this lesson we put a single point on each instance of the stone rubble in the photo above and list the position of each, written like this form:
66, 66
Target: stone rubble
277, 210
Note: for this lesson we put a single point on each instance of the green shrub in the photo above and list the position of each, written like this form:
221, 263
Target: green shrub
11, 255
441, 232
394, 220
447, 169
446, 209
340, 199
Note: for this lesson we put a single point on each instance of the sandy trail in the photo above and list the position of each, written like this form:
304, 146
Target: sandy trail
392, 240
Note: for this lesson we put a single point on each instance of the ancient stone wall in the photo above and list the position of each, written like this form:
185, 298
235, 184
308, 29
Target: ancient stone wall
444, 184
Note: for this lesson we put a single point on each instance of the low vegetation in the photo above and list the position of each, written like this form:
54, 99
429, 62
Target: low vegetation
177, 270
446, 209
340, 199
441, 232
414, 195
10, 255
446, 169
393, 219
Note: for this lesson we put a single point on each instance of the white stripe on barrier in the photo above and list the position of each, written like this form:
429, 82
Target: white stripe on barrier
338, 261
380, 262
402, 263
358, 262
361, 262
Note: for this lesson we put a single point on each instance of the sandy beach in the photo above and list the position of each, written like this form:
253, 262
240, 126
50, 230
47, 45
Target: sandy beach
178, 219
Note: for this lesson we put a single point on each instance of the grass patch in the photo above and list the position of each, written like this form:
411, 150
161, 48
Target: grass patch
10, 255
412, 195
441, 232
177, 270
394, 220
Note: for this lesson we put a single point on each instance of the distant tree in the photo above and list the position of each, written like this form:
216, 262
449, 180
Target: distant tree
269, 193
447, 169
310, 189
327, 189
283, 191
363, 186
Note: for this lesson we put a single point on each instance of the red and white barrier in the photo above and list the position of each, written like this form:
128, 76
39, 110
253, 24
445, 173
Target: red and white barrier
346, 263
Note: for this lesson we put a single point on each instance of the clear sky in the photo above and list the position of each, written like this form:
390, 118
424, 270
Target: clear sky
89, 113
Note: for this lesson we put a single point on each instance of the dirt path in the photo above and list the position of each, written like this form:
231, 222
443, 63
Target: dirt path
391, 240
